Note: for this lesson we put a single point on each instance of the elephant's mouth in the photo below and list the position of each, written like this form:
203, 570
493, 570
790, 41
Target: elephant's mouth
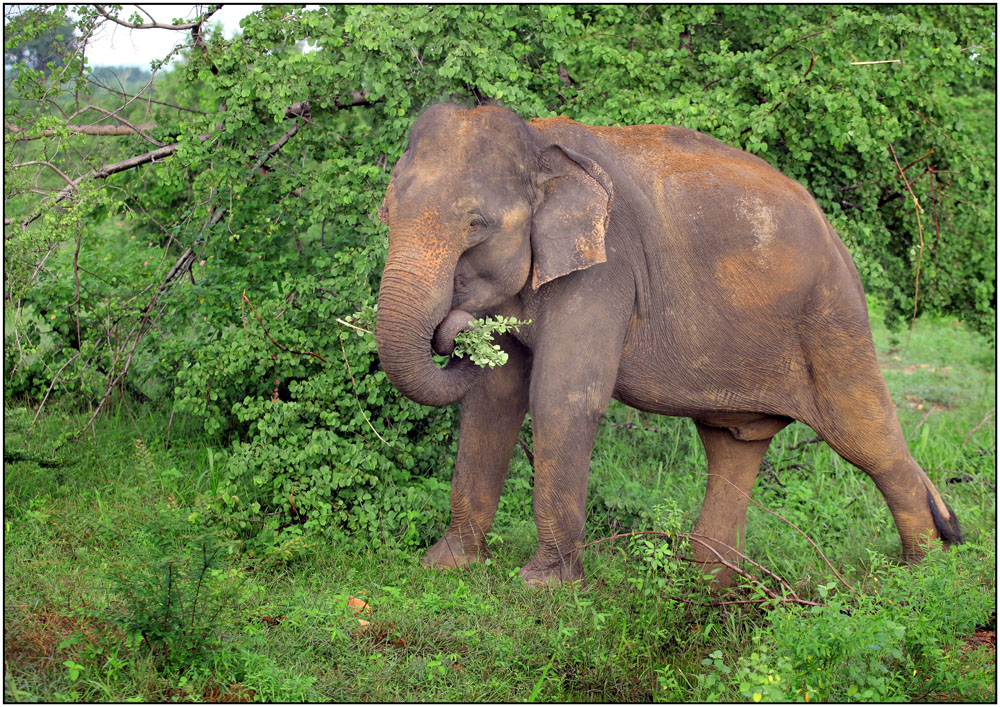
451, 326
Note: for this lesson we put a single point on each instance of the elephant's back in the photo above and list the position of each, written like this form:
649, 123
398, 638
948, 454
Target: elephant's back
720, 228
693, 160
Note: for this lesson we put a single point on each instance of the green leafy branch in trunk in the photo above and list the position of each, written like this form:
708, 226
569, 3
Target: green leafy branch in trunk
477, 342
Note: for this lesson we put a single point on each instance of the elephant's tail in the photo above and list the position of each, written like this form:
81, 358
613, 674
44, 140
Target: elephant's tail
945, 520
947, 526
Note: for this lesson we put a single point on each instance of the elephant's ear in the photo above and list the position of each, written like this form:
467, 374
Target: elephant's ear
567, 231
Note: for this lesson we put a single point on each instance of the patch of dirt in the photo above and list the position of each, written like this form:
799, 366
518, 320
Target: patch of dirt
229, 694
985, 635
895, 363
32, 636
379, 635
981, 638
918, 403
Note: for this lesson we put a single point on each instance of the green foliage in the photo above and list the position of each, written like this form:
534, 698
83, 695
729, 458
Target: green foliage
882, 643
321, 442
39, 39
110, 509
477, 343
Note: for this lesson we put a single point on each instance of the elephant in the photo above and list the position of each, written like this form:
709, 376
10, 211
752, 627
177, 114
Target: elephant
657, 266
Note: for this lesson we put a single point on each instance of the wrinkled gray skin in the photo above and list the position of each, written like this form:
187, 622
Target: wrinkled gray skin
659, 267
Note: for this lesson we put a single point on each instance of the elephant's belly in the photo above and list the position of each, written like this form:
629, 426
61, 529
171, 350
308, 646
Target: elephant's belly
769, 379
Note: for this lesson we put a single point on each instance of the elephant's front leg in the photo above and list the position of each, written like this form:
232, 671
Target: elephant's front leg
490, 421
570, 389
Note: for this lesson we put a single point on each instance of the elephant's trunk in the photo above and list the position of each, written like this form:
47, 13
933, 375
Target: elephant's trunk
410, 309
454, 324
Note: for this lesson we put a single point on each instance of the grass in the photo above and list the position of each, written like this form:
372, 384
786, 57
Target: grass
92, 530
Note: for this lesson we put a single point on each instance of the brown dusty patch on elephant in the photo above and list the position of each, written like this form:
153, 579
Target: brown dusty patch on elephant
740, 277
696, 160
422, 234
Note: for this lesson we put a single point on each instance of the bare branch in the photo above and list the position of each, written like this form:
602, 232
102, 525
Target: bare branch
975, 429
920, 233
51, 166
354, 385
358, 98
128, 124
790, 523
102, 130
184, 26
913, 162
41, 264
273, 149
283, 348
52, 385
106, 171
183, 262
148, 100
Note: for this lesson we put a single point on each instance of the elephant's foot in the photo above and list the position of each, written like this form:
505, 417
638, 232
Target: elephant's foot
541, 571
450, 552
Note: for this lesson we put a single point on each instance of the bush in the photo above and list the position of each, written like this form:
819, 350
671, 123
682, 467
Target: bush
176, 591
900, 635
321, 442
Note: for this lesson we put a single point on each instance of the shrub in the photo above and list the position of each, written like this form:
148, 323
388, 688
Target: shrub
321, 442
176, 590
897, 638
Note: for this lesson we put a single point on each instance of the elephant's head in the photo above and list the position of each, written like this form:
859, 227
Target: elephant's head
478, 203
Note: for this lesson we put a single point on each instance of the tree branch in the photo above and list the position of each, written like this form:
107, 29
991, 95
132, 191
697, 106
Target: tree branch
183, 262
920, 233
102, 130
106, 171
51, 166
156, 25
273, 149
148, 100
127, 124
301, 110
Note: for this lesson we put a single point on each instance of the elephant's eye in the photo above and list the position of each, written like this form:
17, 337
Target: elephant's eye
476, 227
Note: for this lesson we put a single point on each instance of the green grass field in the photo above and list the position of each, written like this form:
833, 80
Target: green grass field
116, 590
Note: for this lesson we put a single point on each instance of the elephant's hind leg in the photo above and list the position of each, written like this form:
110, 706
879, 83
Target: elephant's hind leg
732, 470
856, 417
491, 418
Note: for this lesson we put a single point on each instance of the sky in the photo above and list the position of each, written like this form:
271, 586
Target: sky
114, 45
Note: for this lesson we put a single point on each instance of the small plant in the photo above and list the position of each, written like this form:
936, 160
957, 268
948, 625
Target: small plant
143, 458
174, 602
477, 342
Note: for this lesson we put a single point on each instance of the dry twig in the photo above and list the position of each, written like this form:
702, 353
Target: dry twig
920, 252
791, 524
354, 384
975, 429
268, 334
790, 598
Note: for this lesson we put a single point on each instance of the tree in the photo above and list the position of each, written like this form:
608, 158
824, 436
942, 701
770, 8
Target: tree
44, 39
